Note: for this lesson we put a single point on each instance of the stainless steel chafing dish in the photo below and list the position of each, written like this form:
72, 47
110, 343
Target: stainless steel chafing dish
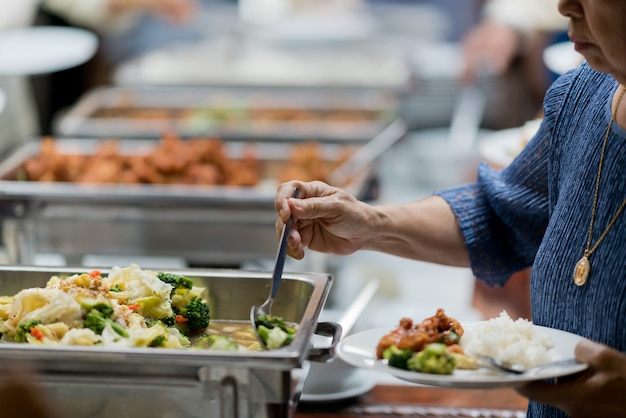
204, 225
330, 115
103, 383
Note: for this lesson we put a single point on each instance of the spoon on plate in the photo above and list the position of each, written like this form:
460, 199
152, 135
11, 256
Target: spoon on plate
503, 366
266, 307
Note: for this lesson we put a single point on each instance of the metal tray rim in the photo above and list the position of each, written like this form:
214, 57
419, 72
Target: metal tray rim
284, 358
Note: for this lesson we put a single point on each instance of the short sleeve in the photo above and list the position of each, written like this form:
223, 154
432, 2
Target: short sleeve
504, 214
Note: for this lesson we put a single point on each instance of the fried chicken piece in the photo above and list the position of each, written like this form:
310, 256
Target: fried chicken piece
169, 156
207, 174
103, 171
415, 336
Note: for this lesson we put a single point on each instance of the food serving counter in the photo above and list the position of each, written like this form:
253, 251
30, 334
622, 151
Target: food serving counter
396, 399
206, 225
99, 382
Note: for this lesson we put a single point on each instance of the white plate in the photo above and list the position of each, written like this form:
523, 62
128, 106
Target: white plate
501, 147
561, 57
360, 351
44, 49
357, 384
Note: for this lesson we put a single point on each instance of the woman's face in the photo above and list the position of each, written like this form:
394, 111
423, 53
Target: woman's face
598, 30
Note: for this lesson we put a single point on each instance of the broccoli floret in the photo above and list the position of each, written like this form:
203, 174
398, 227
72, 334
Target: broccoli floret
150, 322
274, 332
23, 330
396, 357
274, 337
450, 337
98, 316
271, 321
158, 341
433, 359
94, 304
169, 321
186, 303
176, 281
96, 322
198, 315
217, 342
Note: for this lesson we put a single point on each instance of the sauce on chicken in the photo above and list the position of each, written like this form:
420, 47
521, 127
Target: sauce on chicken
410, 335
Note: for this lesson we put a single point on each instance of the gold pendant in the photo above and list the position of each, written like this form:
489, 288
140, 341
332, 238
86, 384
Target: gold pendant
581, 271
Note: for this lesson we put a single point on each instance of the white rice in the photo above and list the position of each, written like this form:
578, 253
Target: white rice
517, 342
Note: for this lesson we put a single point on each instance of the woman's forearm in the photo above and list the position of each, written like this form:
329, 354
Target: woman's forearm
425, 230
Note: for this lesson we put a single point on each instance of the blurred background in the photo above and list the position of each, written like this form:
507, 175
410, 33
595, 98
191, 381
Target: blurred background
394, 99
440, 86
156, 131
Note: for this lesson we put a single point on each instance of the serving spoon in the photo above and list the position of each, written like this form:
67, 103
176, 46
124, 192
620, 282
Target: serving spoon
279, 265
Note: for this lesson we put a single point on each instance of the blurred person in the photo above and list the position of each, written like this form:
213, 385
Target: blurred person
21, 396
507, 29
108, 19
508, 42
558, 207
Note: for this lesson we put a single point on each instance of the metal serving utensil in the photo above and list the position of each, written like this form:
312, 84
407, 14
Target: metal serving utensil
266, 307
495, 364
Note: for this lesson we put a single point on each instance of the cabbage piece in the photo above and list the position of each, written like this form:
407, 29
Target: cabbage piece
80, 336
141, 287
45, 305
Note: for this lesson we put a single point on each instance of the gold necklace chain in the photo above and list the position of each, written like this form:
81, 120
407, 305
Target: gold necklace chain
583, 267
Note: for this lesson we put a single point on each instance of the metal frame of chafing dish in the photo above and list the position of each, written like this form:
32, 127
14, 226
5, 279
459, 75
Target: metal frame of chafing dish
106, 382
204, 225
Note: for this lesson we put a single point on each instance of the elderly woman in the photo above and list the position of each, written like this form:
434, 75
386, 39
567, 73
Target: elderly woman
558, 208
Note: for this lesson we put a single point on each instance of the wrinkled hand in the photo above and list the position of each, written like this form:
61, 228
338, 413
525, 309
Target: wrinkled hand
598, 392
325, 219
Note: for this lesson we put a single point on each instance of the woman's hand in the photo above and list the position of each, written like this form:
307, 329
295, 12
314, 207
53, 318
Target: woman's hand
330, 220
597, 392
325, 219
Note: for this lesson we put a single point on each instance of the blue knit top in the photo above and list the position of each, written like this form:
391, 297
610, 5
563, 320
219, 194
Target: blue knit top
536, 212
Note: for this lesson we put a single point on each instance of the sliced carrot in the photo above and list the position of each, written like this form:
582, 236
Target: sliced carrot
180, 319
94, 273
36, 332
134, 306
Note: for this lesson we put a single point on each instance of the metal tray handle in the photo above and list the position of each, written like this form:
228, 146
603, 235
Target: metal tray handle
325, 354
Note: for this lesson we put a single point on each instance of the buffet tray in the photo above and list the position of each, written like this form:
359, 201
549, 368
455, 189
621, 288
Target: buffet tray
111, 382
263, 63
229, 112
216, 226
